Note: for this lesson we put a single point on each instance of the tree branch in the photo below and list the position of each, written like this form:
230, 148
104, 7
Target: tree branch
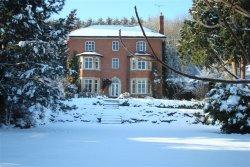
222, 63
223, 19
182, 73
235, 7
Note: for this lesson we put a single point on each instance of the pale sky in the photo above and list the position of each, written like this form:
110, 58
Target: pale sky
95, 9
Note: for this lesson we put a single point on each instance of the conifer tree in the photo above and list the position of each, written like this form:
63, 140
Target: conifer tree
32, 52
207, 34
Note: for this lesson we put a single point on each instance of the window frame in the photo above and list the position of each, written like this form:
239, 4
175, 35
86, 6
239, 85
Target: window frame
89, 46
140, 86
140, 65
93, 83
115, 46
95, 63
141, 47
85, 61
118, 63
90, 84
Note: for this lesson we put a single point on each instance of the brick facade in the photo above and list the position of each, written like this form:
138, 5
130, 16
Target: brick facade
125, 75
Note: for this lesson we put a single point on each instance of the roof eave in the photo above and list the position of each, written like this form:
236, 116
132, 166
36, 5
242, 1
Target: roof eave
162, 37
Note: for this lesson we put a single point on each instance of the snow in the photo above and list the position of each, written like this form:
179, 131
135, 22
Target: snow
226, 105
28, 73
69, 141
89, 53
113, 31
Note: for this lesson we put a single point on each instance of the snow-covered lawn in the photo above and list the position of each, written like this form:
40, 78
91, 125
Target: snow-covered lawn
79, 140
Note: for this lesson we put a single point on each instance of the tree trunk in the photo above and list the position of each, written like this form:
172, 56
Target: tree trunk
234, 67
243, 68
2, 110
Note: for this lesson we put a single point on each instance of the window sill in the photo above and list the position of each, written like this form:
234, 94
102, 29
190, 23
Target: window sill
140, 70
90, 69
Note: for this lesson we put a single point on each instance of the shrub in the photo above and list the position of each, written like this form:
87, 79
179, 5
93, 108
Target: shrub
124, 95
182, 88
22, 119
125, 103
228, 106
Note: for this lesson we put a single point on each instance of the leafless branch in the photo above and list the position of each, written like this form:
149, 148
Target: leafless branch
179, 72
130, 52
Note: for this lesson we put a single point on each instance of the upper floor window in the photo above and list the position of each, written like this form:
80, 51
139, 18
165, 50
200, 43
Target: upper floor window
89, 46
115, 63
142, 65
91, 63
139, 64
115, 45
141, 47
88, 63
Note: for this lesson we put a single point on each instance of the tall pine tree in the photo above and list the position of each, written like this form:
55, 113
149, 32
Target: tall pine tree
33, 50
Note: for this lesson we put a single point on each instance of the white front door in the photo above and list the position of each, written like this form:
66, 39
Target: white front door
115, 88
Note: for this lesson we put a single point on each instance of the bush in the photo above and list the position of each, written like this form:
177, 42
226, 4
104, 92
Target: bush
125, 103
182, 88
124, 95
23, 119
228, 106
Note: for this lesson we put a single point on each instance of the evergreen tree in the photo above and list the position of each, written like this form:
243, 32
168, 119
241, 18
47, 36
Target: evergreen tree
109, 21
116, 21
100, 21
124, 21
206, 34
133, 21
88, 23
30, 59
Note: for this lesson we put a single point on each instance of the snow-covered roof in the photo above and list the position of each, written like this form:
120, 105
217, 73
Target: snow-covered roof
89, 53
113, 31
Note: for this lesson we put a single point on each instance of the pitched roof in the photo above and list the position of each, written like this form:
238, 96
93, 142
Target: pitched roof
113, 31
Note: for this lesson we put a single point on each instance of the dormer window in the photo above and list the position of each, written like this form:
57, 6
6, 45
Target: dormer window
140, 47
89, 46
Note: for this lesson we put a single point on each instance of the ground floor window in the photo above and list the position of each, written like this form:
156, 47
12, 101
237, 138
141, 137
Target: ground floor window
90, 85
140, 86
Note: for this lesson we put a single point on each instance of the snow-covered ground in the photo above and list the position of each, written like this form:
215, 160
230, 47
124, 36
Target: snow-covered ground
77, 139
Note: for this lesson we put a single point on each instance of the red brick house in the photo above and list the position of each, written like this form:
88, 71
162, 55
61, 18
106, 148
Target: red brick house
102, 56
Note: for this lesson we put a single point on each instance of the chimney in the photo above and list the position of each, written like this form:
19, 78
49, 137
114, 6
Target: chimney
161, 29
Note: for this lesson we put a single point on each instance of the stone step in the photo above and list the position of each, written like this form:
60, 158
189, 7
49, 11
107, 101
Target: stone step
111, 122
111, 103
111, 119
